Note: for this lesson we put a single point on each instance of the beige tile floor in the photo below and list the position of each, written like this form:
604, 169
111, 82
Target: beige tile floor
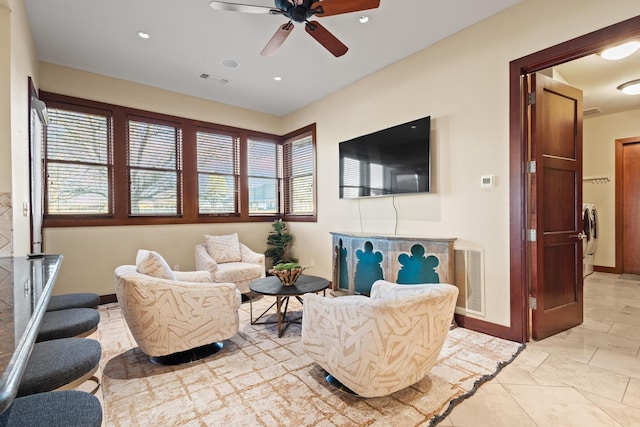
586, 376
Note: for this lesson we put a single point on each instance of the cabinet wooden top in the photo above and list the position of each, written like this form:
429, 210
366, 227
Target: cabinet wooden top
392, 237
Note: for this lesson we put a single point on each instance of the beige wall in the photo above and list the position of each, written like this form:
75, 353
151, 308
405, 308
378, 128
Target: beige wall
600, 134
461, 82
6, 210
23, 65
5, 99
92, 253
72, 82
17, 63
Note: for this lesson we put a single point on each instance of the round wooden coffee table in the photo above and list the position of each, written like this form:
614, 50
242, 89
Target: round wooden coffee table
272, 286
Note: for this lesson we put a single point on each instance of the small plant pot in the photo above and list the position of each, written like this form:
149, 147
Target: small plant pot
288, 277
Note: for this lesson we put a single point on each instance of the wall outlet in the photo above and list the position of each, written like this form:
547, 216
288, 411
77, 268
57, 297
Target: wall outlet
176, 267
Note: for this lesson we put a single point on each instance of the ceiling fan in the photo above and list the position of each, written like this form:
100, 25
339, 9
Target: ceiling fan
300, 11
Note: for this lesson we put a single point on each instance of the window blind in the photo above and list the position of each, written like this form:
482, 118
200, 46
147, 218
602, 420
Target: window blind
77, 163
218, 172
264, 166
154, 171
299, 176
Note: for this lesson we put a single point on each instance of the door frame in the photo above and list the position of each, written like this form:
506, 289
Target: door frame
518, 155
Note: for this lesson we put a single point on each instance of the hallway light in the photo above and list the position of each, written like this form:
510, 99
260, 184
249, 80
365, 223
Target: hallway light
630, 88
620, 51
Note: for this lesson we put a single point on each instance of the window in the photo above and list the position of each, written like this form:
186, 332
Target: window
218, 172
264, 166
112, 165
299, 175
154, 162
77, 163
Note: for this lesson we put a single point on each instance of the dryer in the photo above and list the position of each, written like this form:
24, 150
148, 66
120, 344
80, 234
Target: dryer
590, 242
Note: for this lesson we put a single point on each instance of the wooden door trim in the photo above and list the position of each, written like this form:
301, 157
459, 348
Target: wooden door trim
620, 143
558, 54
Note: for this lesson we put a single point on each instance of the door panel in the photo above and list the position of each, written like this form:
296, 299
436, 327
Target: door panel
555, 206
631, 208
556, 215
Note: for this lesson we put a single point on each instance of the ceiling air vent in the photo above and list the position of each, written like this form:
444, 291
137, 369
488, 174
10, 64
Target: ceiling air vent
220, 80
590, 111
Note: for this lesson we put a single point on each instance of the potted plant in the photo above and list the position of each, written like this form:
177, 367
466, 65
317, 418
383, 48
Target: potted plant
279, 242
287, 272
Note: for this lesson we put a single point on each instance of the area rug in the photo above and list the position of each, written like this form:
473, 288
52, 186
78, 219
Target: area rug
259, 379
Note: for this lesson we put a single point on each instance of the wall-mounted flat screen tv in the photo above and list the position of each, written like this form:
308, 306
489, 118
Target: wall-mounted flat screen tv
391, 161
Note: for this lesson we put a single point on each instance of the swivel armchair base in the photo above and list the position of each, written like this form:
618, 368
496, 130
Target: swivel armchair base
188, 356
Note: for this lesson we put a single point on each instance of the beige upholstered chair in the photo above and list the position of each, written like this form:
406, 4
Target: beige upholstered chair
175, 316
230, 261
376, 346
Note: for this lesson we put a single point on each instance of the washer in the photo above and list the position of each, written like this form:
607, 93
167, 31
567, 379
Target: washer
590, 243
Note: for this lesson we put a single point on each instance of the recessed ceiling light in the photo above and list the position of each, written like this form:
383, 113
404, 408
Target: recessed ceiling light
143, 35
277, 78
620, 51
229, 63
630, 88
363, 19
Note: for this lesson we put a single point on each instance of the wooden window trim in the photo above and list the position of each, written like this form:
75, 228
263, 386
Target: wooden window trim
189, 188
287, 216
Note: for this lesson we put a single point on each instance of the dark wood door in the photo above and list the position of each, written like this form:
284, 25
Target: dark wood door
555, 206
631, 207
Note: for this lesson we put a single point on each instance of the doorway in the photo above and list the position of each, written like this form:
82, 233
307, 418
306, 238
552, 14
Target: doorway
518, 155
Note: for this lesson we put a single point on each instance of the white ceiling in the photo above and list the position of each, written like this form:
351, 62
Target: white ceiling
188, 38
599, 78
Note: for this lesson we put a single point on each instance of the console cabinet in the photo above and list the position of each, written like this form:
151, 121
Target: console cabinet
360, 259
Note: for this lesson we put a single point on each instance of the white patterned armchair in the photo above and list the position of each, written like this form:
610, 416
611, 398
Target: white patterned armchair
380, 344
168, 315
230, 261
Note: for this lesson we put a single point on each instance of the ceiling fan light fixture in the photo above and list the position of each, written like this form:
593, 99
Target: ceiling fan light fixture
631, 87
621, 51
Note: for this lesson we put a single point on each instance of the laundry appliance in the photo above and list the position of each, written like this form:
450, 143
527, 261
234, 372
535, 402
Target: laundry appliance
590, 241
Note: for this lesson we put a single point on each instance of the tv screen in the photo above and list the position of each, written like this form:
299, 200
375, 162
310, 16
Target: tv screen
391, 161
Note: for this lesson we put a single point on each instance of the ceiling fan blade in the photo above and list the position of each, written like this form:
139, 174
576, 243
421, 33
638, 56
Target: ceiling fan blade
237, 7
336, 7
278, 38
326, 39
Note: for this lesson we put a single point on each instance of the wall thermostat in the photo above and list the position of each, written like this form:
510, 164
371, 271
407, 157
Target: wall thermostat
487, 181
